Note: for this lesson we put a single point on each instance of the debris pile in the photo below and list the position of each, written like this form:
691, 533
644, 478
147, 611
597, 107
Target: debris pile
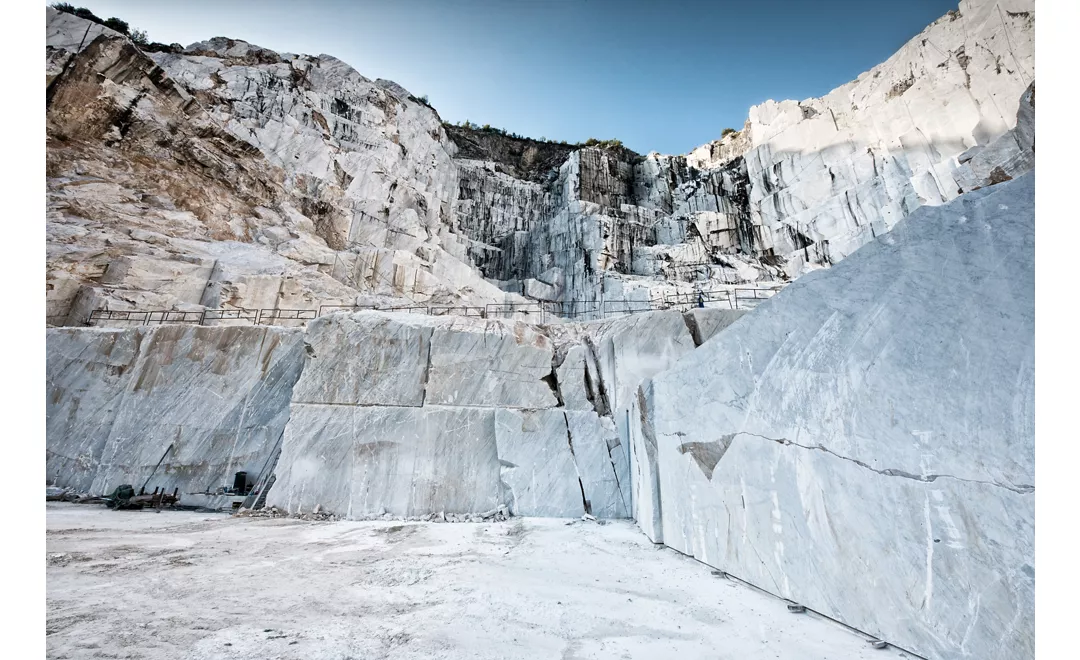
57, 494
499, 514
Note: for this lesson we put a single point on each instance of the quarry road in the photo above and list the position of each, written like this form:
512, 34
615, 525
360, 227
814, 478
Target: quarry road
134, 584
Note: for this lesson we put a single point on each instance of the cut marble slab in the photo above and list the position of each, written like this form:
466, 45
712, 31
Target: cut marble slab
537, 463
359, 461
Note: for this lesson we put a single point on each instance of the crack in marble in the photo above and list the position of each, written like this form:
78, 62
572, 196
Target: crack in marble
1023, 489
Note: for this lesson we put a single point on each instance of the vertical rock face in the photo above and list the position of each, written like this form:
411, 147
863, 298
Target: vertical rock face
249, 178
611, 227
117, 400
255, 179
863, 443
386, 413
844, 168
802, 185
412, 415
537, 464
1008, 156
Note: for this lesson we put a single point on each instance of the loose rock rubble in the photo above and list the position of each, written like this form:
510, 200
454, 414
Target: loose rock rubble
500, 514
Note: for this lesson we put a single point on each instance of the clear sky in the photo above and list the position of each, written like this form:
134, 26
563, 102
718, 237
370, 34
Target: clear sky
659, 75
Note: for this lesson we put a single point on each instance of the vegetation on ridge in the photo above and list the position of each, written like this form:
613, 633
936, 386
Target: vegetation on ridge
488, 128
119, 25
140, 39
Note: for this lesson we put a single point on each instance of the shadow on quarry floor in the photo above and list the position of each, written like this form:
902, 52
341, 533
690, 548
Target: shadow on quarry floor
190, 585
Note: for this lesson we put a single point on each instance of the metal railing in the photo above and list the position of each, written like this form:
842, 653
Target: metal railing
541, 311
479, 312
276, 316
736, 298
251, 315
147, 317
508, 310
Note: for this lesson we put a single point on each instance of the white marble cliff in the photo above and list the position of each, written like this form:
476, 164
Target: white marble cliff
225, 175
844, 168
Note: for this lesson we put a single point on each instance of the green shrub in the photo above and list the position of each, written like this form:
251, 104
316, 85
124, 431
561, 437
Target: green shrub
602, 144
727, 131
423, 100
138, 37
83, 12
488, 128
116, 24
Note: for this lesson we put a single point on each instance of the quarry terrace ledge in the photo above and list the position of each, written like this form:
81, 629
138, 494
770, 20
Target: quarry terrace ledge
738, 298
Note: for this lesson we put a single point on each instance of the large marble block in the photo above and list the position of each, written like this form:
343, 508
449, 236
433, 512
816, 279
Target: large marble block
366, 359
118, 400
489, 363
360, 461
539, 475
602, 463
644, 466
628, 350
86, 374
863, 442
633, 348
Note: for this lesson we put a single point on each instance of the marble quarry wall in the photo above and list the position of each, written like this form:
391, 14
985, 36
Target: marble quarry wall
863, 442
225, 175
411, 415
386, 413
613, 226
211, 401
844, 168
1005, 158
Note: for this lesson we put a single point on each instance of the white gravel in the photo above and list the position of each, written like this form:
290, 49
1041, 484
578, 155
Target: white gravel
171, 585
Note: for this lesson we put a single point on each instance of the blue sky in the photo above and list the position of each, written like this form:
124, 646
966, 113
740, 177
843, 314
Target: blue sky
659, 75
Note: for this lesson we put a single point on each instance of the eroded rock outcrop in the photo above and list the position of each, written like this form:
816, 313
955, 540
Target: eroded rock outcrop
230, 176
863, 443
801, 186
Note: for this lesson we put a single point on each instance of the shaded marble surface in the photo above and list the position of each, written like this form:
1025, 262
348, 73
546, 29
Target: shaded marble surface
117, 399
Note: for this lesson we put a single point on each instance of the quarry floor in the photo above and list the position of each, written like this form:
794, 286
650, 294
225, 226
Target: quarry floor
139, 584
